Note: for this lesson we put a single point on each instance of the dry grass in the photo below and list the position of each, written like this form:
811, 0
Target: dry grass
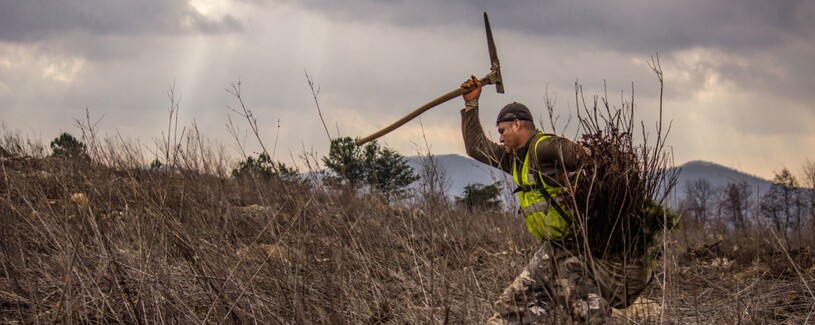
742, 277
96, 243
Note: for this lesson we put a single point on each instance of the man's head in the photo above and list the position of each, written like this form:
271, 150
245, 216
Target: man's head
515, 126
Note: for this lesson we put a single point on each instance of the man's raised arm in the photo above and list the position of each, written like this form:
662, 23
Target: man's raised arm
475, 142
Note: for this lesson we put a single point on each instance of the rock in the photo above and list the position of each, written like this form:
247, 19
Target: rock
80, 199
641, 309
255, 209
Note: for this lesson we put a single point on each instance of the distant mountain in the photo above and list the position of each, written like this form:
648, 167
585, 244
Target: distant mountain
462, 171
717, 175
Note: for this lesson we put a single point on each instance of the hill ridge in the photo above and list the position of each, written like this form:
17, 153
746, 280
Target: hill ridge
463, 171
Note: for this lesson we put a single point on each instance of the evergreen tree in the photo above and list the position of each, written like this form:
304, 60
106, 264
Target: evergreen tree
264, 167
346, 163
481, 196
383, 169
387, 171
66, 146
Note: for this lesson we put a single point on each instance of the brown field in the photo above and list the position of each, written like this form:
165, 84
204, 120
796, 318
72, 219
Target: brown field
110, 243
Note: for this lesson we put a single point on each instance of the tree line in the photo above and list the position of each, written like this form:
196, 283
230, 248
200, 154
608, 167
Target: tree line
788, 207
372, 169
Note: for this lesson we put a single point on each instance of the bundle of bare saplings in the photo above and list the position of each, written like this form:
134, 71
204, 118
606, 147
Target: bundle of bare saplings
617, 198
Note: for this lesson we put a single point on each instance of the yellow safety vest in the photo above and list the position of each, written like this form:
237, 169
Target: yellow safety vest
542, 220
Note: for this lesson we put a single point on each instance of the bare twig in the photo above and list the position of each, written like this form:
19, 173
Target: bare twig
314, 94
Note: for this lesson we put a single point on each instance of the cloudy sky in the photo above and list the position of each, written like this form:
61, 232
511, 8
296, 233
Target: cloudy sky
739, 74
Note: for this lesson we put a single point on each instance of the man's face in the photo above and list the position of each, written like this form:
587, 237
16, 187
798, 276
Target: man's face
510, 135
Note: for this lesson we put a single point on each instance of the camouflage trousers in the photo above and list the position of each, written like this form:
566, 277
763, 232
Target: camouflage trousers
585, 288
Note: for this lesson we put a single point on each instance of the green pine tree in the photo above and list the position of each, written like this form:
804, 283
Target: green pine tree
263, 167
481, 196
387, 171
68, 147
383, 169
346, 164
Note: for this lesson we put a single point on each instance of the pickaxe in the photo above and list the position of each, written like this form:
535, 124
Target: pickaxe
494, 77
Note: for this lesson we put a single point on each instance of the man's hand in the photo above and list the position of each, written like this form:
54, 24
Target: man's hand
471, 97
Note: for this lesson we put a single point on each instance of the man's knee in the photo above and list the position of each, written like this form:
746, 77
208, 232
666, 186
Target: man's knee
521, 302
592, 310
577, 291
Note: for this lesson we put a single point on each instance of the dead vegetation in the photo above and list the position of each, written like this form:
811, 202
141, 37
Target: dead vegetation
94, 244
90, 243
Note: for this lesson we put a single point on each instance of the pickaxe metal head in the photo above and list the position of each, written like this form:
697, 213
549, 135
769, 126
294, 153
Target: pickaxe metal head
495, 67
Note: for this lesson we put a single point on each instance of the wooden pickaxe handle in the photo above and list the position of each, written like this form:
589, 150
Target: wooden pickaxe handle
490, 78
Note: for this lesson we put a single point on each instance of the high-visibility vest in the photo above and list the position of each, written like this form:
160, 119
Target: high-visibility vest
542, 219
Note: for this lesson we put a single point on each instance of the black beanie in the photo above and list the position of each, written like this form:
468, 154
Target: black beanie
514, 111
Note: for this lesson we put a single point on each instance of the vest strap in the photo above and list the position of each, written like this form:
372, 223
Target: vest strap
524, 188
549, 199
554, 203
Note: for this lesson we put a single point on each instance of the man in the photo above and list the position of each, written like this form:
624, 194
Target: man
558, 274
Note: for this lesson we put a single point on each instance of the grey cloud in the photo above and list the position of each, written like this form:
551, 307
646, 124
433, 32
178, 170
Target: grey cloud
783, 73
228, 23
776, 37
368, 67
38, 20
642, 26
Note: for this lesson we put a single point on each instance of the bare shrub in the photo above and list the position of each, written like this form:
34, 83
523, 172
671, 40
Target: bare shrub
617, 197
